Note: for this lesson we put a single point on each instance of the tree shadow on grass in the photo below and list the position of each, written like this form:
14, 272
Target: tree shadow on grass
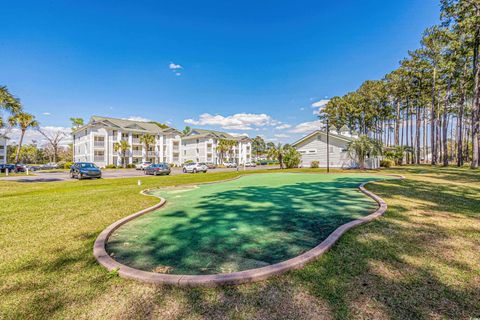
242, 228
392, 268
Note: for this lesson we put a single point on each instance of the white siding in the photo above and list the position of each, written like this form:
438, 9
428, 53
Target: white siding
315, 149
3, 150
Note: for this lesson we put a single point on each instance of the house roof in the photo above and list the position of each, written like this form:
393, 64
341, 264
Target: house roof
126, 125
331, 135
203, 133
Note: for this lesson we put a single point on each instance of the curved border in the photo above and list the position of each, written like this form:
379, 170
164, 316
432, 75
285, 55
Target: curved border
239, 277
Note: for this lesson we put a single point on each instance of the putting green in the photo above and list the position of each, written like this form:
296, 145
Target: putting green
250, 222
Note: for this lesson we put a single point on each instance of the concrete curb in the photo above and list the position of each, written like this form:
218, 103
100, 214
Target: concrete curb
239, 277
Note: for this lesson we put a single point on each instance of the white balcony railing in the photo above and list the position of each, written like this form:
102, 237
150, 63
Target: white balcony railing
151, 153
99, 144
136, 141
99, 158
137, 152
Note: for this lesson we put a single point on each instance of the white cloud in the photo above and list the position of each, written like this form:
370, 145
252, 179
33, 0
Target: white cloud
32, 135
173, 66
319, 105
283, 126
137, 118
244, 134
302, 108
307, 126
239, 121
281, 135
46, 113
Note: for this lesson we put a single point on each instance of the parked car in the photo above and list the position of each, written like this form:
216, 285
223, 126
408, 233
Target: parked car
250, 164
4, 167
81, 170
230, 164
50, 165
143, 165
211, 165
20, 168
195, 167
33, 168
158, 169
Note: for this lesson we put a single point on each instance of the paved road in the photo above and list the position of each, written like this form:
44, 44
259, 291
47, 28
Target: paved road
108, 174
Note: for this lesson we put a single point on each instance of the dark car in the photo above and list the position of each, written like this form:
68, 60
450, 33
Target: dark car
4, 167
20, 168
81, 170
158, 169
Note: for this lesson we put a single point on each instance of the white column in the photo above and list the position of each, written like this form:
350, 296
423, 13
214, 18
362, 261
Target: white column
130, 142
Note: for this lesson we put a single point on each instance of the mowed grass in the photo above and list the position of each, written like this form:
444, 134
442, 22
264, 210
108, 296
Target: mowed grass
421, 260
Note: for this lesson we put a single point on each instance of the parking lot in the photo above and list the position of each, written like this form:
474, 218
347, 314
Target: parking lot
45, 176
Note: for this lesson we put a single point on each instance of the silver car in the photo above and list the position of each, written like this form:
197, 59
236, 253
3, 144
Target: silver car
195, 167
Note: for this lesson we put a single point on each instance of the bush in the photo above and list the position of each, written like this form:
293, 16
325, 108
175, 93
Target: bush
110, 166
130, 166
292, 158
61, 164
387, 163
67, 165
314, 164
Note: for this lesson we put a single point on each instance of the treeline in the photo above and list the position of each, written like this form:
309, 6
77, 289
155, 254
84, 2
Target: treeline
429, 106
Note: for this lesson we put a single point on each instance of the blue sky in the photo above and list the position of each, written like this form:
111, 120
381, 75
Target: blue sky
251, 67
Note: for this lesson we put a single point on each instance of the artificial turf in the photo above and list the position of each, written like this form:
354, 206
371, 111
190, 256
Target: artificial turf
241, 224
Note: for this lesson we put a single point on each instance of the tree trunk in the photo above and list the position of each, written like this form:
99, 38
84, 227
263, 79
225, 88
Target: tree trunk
17, 156
445, 125
432, 121
417, 135
476, 99
397, 124
460, 130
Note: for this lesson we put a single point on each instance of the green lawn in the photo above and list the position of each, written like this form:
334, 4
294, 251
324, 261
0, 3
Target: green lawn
418, 261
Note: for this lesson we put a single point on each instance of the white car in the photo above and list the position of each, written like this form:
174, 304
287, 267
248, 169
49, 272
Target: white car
250, 164
143, 165
195, 167
230, 164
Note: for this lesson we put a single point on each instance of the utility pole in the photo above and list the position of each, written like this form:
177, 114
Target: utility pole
328, 148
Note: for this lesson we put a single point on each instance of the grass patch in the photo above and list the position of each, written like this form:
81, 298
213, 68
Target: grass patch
418, 261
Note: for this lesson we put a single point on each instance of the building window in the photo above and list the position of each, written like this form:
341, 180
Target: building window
331, 149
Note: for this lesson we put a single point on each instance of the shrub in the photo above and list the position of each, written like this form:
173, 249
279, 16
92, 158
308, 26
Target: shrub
67, 165
387, 163
292, 158
61, 164
314, 164
130, 166
189, 161
110, 166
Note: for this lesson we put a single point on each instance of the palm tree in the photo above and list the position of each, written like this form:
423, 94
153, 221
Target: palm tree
76, 122
147, 140
363, 147
24, 121
277, 152
187, 130
8, 102
225, 147
122, 147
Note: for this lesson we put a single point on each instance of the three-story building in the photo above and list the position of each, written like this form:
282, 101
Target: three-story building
3, 149
95, 142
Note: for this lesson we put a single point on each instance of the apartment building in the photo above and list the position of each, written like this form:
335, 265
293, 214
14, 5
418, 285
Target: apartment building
201, 146
94, 142
3, 149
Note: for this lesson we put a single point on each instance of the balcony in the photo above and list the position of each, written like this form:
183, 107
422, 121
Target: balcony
152, 153
99, 144
136, 141
99, 158
137, 153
